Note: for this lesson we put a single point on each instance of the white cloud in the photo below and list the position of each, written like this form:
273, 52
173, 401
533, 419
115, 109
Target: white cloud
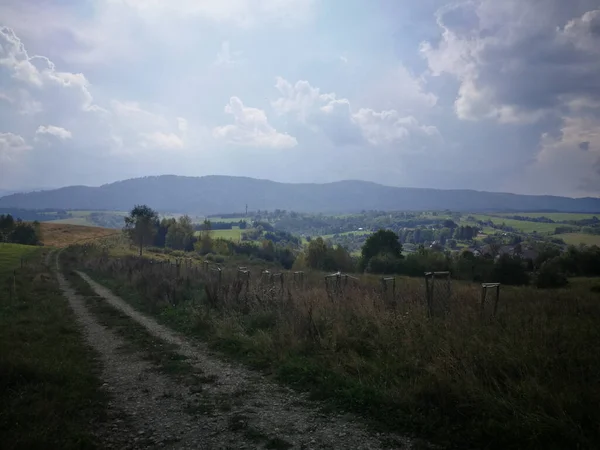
343, 125
167, 141
12, 146
52, 130
251, 128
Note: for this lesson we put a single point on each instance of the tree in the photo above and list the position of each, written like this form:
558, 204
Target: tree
180, 234
204, 244
380, 243
141, 225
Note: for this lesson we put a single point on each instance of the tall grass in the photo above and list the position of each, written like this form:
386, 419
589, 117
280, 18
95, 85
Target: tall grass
530, 378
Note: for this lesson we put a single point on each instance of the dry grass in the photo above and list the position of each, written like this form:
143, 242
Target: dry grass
528, 379
63, 235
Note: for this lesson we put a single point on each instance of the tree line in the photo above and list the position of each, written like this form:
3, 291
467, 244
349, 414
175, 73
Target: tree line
19, 232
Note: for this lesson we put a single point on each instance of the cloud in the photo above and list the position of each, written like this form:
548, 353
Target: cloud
12, 146
166, 141
38, 90
52, 130
251, 128
340, 122
519, 60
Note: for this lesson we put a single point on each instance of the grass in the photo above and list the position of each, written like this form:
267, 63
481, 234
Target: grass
49, 389
579, 238
521, 225
12, 254
529, 379
80, 221
235, 234
61, 235
557, 217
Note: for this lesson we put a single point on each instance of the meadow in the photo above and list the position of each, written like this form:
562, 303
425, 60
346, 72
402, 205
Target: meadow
521, 225
235, 234
557, 217
579, 238
527, 378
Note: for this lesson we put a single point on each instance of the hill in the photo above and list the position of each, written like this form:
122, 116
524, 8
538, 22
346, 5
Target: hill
216, 194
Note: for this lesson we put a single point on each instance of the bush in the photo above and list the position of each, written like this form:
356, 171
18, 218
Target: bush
550, 275
511, 271
384, 264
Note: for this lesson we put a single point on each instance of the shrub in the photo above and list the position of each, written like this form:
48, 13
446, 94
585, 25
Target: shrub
384, 264
550, 275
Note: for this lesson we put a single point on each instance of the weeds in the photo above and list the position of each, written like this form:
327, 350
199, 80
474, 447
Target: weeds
50, 393
528, 379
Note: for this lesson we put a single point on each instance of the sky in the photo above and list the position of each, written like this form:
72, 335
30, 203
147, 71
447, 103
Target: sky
477, 94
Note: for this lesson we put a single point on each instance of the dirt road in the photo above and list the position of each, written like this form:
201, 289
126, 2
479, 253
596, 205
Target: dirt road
219, 405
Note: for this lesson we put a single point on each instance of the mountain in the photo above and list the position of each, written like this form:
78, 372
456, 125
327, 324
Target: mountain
221, 194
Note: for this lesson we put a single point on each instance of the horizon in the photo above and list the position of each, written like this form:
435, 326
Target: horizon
479, 95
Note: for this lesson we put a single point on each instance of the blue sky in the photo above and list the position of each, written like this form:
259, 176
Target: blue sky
479, 94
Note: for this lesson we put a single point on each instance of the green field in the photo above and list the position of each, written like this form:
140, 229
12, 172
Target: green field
579, 238
234, 234
521, 225
11, 254
84, 221
558, 217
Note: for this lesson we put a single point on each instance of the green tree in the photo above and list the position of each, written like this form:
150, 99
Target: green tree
316, 254
141, 225
204, 244
180, 235
383, 242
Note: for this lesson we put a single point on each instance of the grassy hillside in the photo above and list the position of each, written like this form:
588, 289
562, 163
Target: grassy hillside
579, 238
218, 194
61, 235
49, 391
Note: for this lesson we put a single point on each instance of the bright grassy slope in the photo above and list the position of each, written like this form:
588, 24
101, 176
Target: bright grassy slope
554, 216
234, 234
579, 238
522, 225
11, 254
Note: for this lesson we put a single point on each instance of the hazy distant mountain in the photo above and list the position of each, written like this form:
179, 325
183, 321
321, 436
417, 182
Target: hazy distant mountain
221, 194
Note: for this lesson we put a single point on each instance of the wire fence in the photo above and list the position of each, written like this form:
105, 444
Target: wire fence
434, 293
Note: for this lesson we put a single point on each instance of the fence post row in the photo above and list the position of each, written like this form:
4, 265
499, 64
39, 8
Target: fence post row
484, 290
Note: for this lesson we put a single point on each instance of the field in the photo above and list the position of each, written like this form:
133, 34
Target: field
49, 393
235, 234
61, 235
579, 238
557, 217
521, 225
11, 255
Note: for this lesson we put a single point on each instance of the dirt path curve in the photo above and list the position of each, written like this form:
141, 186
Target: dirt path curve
259, 413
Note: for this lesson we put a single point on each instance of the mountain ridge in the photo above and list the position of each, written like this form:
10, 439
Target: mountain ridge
213, 194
